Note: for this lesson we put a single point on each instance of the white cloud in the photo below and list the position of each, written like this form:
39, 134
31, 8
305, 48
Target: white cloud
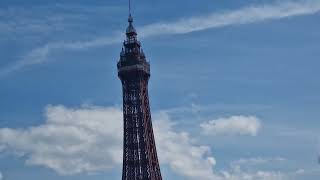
71, 140
256, 161
89, 139
176, 150
40, 55
235, 17
245, 15
237, 174
234, 125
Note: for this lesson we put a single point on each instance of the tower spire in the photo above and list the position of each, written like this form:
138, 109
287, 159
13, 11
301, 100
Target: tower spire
129, 7
131, 31
130, 18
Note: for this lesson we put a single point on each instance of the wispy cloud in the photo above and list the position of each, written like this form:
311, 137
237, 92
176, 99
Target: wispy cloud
40, 55
246, 15
235, 17
48, 19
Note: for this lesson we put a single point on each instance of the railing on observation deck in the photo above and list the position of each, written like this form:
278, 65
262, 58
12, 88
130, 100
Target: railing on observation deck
131, 41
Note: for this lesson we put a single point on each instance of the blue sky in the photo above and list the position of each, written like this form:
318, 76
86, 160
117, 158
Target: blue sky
233, 82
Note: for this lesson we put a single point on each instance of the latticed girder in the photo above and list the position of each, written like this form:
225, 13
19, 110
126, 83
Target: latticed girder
140, 161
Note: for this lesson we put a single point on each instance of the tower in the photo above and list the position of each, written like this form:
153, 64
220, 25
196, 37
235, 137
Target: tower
140, 161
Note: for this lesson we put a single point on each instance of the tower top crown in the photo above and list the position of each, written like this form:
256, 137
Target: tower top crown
132, 58
130, 28
130, 18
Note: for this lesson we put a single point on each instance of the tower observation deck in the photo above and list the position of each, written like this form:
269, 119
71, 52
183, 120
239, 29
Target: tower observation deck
140, 160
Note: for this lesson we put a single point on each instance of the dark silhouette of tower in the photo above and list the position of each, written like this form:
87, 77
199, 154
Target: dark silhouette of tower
140, 161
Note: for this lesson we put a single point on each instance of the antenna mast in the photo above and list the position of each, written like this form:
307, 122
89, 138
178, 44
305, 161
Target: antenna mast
129, 7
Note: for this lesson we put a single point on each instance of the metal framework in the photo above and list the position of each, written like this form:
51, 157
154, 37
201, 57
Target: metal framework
140, 161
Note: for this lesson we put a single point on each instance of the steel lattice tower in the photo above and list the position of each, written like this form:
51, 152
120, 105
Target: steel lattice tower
140, 161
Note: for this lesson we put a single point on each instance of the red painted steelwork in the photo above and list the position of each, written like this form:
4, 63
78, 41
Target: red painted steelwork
140, 161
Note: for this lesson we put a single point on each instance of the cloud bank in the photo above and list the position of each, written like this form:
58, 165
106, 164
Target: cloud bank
246, 15
89, 140
71, 140
177, 150
234, 125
